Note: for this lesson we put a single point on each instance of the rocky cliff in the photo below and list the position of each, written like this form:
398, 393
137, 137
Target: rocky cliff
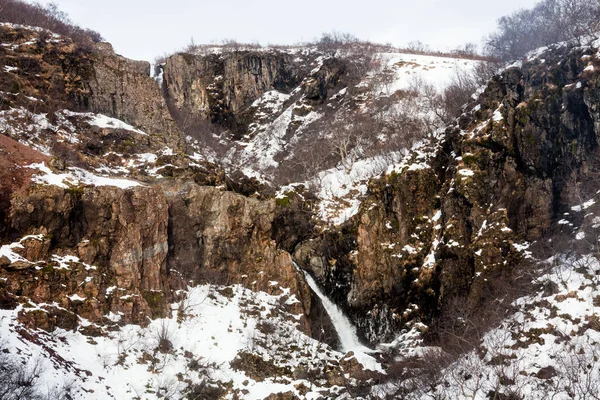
46, 72
444, 228
91, 251
441, 226
438, 237
219, 87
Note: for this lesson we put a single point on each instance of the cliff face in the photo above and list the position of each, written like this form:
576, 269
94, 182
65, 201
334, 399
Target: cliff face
47, 73
220, 236
123, 88
42, 66
105, 247
219, 87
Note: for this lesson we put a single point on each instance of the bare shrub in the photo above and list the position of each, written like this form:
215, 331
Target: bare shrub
21, 380
163, 336
466, 51
419, 377
457, 94
578, 371
449, 104
418, 47
331, 43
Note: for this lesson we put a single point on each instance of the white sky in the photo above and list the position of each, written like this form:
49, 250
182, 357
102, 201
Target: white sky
144, 29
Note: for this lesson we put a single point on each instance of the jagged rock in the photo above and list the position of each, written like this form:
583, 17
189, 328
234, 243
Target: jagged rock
35, 249
316, 88
48, 318
19, 265
223, 237
445, 228
300, 372
257, 368
308, 254
546, 373
282, 396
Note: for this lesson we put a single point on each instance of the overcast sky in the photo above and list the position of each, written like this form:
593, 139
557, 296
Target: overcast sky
144, 29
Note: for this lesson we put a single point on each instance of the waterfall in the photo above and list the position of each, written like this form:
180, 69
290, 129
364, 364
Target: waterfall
343, 327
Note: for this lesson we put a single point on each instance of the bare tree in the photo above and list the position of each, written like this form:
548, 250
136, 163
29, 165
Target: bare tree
549, 21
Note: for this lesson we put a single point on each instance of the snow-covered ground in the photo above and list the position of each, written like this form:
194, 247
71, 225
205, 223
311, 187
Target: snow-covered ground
197, 345
405, 68
27, 127
75, 177
548, 348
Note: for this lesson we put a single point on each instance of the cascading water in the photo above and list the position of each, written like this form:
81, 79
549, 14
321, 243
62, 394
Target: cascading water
344, 329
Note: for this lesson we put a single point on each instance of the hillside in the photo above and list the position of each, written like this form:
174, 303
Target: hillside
296, 223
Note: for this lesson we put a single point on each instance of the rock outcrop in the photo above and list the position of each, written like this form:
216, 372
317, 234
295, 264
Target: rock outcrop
222, 237
104, 245
46, 73
99, 250
43, 71
441, 229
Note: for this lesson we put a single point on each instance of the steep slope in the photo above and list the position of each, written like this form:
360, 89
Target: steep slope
273, 107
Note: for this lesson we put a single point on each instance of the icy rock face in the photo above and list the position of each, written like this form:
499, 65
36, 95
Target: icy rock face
455, 215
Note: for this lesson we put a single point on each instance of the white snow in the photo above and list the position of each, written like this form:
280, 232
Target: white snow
438, 71
584, 206
77, 176
497, 117
465, 172
102, 121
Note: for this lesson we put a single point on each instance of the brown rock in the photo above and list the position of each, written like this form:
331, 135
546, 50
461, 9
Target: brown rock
122, 233
282, 396
19, 265
123, 88
223, 237
4, 262
220, 87
546, 373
